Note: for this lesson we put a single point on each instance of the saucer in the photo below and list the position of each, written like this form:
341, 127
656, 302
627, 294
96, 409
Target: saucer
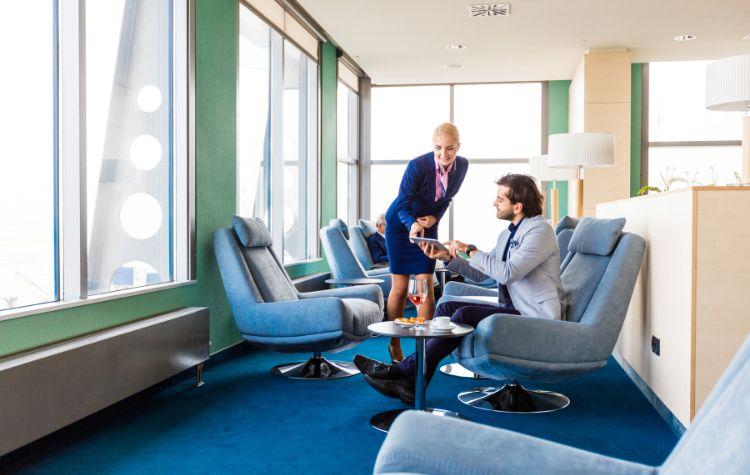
447, 329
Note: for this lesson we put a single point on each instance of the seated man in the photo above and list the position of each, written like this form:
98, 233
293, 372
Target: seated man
525, 263
376, 242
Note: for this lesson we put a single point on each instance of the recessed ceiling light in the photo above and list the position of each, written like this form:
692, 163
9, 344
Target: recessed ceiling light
687, 37
581, 42
456, 46
453, 66
746, 37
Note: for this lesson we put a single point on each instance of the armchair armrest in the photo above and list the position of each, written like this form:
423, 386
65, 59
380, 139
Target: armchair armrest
458, 447
370, 292
540, 339
292, 317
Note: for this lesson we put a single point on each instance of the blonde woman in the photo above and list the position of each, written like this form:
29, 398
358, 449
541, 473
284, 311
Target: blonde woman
427, 187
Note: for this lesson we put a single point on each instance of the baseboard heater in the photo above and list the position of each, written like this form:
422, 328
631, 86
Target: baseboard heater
48, 388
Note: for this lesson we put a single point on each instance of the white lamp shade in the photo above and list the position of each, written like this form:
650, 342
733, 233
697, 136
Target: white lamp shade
728, 84
586, 150
539, 170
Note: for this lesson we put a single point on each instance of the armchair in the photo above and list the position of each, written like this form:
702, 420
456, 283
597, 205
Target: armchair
270, 313
564, 231
598, 278
717, 442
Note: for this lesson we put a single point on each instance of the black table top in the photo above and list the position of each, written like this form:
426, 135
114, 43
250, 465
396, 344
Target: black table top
360, 281
392, 329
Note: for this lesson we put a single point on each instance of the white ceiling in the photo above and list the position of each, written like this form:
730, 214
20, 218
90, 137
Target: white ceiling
404, 41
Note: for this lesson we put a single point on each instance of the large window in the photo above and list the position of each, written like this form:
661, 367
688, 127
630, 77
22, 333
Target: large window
500, 126
347, 154
277, 129
93, 180
688, 144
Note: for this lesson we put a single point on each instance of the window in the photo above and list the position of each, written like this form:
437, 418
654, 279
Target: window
347, 146
688, 144
277, 148
500, 126
102, 188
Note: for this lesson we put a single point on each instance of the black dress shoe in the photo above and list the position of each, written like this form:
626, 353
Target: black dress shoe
375, 368
400, 388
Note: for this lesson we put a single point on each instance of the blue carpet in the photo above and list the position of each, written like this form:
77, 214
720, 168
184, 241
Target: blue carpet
246, 420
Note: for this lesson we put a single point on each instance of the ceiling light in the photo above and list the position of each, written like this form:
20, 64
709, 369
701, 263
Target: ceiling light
746, 37
453, 66
490, 9
456, 46
581, 42
687, 37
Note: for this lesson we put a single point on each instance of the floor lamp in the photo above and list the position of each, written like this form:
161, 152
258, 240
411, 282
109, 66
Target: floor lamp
579, 151
539, 170
728, 89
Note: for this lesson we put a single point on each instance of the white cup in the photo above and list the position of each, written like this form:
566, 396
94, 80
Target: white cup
441, 323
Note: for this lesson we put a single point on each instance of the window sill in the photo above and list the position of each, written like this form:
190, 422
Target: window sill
10, 314
302, 262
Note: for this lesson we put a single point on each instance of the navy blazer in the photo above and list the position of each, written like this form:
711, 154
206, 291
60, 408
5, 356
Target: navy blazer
416, 195
378, 251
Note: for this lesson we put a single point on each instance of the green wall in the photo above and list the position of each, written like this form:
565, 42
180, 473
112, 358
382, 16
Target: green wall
215, 86
636, 117
557, 123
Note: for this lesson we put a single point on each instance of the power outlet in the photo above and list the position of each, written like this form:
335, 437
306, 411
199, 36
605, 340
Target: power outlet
655, 345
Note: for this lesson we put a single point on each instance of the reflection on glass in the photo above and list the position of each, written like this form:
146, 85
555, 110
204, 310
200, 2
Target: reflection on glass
499, 120
404, 118
677, 109
128, 91
342, 191
678, 167
253, 121
27, 203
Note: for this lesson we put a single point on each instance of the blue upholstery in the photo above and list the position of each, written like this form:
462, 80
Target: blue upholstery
717, 442
340, 225
596, 236
271, 313
597, 290
251, 232
564, 231
367, 227
358, 243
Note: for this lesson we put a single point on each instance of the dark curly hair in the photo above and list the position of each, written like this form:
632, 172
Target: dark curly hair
523, 190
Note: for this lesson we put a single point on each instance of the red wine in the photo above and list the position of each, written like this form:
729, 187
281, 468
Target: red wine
417, 299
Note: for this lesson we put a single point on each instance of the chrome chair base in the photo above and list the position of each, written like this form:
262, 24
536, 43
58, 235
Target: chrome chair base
382, 421
317, 367
458, 371
514, 398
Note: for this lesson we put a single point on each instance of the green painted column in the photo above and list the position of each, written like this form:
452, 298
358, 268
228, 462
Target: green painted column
636, 119
557, 123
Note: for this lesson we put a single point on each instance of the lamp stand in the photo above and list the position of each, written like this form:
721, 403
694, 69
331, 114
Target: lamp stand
555, 203
746, 149
579, 182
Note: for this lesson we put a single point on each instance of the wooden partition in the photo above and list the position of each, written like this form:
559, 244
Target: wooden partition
693, 293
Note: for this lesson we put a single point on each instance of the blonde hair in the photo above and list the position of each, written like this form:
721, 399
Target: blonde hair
446, 128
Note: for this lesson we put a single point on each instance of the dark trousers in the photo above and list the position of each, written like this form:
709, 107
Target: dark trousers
438, 348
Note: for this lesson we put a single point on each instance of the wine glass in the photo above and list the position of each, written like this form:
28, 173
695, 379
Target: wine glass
417, 292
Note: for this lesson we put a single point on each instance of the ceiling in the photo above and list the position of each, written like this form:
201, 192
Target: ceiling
404, 41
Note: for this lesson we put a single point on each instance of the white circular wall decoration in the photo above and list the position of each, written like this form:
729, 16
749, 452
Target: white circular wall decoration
145, 152
141, 216
149, 98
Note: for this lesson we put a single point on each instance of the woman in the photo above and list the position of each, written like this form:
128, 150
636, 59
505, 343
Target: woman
429, 183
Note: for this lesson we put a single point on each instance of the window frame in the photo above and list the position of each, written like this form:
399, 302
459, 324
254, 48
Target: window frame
353, 146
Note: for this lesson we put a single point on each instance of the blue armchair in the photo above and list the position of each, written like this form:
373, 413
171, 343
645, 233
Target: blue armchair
358, 240
270, 313
717, 442
564, 231
598, 278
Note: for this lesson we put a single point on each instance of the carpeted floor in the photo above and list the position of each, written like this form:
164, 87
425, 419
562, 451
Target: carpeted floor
246, 420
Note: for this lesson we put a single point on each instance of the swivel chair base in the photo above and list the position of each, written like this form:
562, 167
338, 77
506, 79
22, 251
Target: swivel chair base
514, 398
317, 367
458, 371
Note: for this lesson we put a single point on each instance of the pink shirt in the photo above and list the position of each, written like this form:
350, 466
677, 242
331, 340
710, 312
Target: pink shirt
441, 179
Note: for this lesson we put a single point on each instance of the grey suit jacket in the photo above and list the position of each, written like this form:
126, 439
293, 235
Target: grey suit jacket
531, 272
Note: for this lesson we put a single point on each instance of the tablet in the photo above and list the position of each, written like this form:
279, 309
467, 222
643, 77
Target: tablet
434, 242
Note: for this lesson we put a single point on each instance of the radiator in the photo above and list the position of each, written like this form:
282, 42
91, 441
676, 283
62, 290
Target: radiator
48, 388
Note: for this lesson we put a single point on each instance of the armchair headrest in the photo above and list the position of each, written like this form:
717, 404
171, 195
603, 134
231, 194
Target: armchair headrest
340, 225
566, 222
368, 227
596, 236
252, 232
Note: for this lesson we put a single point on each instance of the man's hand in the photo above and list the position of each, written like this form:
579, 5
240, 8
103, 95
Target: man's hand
456, 246
417, 230
427, 221
434, 253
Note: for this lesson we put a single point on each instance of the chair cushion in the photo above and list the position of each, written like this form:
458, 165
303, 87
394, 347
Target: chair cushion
567, 222
272, 281
368, 227
360, 314
596, 236
252, 232
340, 225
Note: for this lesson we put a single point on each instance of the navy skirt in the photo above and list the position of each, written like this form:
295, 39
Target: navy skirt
405, 257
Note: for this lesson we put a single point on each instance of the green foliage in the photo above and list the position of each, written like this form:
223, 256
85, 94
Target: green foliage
645, 189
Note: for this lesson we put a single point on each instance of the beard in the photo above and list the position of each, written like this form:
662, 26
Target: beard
507, 216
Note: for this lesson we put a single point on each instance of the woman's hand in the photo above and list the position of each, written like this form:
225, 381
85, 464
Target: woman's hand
427, 221
417, 230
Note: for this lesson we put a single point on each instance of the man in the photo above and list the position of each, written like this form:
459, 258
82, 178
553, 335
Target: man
525, 263
376, 242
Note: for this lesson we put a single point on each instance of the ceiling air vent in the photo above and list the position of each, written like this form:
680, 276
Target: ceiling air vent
493, 9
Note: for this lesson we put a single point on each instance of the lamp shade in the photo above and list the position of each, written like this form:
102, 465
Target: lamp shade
728, 84
539, 170
586, 150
